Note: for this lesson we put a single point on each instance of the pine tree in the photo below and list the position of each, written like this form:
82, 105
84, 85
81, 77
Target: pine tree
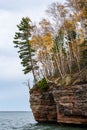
22, 42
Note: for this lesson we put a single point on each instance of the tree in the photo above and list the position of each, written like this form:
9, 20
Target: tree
57, 12
22, 42
79, 11
43, 45
59, 45
42, 42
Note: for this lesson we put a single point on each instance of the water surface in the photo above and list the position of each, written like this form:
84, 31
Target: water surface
25, 121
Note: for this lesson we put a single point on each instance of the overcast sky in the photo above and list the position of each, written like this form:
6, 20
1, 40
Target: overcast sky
14, 94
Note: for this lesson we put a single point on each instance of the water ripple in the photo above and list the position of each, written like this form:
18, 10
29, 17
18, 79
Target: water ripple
25, 121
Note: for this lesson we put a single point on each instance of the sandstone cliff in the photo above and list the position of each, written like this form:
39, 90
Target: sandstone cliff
63, 104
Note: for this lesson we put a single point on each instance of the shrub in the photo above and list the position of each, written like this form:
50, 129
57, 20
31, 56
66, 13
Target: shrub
43, 84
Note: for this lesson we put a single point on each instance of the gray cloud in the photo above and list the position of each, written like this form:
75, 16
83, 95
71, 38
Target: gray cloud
23, 4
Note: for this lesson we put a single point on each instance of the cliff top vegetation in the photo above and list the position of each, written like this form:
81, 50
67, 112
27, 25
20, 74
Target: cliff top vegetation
56, 47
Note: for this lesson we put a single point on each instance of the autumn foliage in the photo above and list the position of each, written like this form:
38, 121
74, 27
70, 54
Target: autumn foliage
60, 42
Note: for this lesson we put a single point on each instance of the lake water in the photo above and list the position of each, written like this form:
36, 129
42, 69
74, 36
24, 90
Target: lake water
25, 121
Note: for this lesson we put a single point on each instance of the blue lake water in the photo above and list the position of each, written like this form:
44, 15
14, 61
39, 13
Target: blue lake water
25, 121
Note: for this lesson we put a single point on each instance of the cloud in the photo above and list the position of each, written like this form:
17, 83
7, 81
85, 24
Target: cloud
15, 5
13, 93
14, 98
9, 61
10, 68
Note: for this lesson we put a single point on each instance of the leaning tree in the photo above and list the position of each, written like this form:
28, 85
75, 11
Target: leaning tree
22, 42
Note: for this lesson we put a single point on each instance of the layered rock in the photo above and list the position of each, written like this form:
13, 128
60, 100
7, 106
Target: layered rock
64, 104
43, 106
71, 104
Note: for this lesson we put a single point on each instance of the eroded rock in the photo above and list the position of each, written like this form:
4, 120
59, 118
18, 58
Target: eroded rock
60, 104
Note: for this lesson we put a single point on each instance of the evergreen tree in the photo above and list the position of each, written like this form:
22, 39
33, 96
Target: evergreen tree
21, 41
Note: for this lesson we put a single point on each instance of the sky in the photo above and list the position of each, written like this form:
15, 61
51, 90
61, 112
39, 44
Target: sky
14, 94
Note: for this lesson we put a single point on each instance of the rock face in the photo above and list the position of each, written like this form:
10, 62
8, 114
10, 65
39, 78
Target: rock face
43, 106
60, 104
71, 104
